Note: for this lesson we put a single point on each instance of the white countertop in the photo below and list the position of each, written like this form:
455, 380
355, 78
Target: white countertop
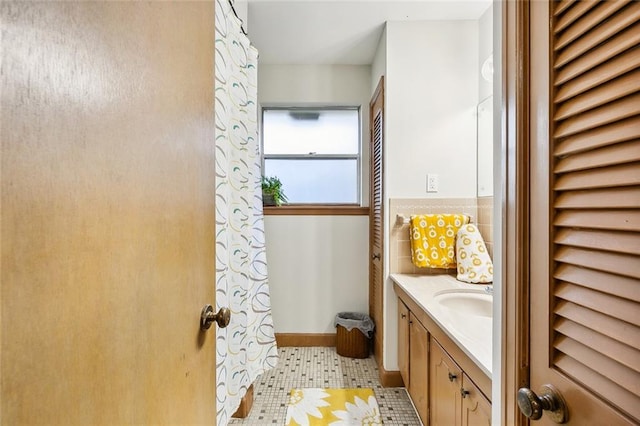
471, 333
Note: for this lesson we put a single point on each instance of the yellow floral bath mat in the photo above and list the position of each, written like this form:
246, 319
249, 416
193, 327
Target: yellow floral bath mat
333, 407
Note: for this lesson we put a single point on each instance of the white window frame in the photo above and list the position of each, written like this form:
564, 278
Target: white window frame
314, 156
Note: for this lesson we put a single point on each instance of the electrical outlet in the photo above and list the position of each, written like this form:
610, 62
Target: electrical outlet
432, 182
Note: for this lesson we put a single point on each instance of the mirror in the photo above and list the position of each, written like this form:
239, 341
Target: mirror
485, 148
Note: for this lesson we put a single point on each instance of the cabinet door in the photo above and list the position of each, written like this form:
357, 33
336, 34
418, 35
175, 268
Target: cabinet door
403, 342
419, 367
445, 383
476, 409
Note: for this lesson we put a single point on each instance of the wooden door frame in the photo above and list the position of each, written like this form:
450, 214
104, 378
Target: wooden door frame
514, 209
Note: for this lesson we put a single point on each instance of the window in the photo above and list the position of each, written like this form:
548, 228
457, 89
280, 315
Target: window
315, 152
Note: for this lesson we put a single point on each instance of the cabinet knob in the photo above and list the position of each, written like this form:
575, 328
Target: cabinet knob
452, 376
464, 392
403, 316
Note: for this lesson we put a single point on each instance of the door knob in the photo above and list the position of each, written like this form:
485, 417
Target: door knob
376, 256
532, 405
222, 317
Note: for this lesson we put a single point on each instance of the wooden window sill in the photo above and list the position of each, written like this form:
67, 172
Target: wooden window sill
316, 210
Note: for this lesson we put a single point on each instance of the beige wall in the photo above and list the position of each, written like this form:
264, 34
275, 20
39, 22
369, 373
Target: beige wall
399, 243
479, 209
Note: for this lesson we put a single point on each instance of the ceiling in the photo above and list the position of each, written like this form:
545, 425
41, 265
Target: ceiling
339, 31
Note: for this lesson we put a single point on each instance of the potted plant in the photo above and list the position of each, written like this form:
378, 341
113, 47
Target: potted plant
272, 194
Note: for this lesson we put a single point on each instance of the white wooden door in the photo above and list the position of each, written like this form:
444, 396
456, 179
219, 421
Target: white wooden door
107, 213
584, 208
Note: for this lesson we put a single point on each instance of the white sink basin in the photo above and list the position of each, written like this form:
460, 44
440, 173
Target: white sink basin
466, 302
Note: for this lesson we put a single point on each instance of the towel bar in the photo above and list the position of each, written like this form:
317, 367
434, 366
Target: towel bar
404, 220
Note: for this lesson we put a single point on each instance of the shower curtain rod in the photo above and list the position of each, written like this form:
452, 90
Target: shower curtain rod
241, 21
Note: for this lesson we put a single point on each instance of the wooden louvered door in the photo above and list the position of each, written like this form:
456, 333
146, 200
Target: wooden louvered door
585, 207
376, 224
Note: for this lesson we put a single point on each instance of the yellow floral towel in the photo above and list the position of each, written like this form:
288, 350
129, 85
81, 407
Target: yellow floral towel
433, 238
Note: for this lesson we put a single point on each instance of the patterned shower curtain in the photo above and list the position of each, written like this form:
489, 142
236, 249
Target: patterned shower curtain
247, 347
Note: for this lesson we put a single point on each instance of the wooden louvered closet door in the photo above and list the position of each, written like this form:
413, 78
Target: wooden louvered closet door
585, 207
376, 224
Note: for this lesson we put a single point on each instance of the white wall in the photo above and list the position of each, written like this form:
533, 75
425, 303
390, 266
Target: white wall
430, 108
318, 265
485, 48
379, 64
430, 127
242, 9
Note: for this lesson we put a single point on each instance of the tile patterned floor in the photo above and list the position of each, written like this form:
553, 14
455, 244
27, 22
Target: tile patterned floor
323, 368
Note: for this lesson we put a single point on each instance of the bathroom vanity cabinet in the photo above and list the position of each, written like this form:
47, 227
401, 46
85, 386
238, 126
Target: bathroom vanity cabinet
454, 398
446, 386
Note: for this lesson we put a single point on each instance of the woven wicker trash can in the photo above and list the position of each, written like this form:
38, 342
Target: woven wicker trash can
353, 333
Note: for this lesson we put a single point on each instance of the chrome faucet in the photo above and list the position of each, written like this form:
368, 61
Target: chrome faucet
489, 289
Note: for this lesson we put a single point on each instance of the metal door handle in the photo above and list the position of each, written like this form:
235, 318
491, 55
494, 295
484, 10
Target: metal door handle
532, 405
222, 317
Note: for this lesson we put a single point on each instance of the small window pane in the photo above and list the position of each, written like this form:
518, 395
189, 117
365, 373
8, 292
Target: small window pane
316, 181
301, 131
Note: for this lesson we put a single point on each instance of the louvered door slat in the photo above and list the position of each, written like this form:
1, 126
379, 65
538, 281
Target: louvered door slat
618, 131
606, 198
601, 261
563, 6
611, 348
606, 283
618, 175
599, 302
603, 11
618, 110
616, 67
604, 52
599, 384
575, 13
610, 155
607, 325
618, 373
618, 242
623, 220
601, 95
620, 21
